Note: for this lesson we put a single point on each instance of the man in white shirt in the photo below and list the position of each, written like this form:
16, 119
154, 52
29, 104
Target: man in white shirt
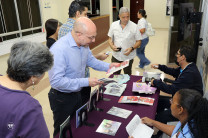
124, 37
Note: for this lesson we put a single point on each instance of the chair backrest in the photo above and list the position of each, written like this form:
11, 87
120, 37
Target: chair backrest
66, 125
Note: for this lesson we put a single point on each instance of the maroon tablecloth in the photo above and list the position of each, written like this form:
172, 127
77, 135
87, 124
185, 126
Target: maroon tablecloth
96, 117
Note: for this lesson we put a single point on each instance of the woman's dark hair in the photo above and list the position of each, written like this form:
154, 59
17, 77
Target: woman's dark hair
28, 59
197, 108
143, 13
74, 7
188, 52
51, 26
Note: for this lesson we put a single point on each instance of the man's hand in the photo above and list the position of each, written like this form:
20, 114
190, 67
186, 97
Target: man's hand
152, 82
155, 66
114, 48
114, 65
101, 56
147, 121
94, 81
128, 51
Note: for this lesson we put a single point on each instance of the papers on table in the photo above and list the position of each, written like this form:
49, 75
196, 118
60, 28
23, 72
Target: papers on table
123, 113
115, 89
143, 88
108, 127
122, 78
137, 129
121, 66
136, 99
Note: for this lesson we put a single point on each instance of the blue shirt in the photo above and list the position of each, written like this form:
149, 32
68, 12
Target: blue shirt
66, 28
70, 61
186, 132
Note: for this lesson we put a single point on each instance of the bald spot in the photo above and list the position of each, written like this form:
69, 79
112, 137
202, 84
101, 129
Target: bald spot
84, 25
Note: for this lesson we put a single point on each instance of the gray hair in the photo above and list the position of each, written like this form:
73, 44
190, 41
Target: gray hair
28, 59
123, 10
79, 26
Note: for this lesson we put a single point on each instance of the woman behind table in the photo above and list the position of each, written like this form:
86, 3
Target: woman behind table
142, 26
21, 115
192, 111
52, 28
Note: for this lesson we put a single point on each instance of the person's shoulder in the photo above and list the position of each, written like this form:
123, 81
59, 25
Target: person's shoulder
116, 22
132, 23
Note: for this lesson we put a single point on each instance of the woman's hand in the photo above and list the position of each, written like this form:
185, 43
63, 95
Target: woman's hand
147, 121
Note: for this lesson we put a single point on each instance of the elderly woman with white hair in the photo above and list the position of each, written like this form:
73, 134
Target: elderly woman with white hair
21, 115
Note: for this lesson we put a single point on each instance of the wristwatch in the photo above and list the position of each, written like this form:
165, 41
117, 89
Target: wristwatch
132, 48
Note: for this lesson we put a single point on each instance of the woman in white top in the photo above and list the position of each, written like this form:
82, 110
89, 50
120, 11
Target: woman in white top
142, 26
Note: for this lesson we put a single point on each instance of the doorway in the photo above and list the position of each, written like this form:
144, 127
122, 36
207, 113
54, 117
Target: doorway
135, 5
183, 31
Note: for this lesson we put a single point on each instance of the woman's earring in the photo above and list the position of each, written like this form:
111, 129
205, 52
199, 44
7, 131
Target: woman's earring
33, 83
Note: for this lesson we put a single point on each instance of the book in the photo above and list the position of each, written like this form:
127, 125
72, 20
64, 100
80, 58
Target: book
107, 80
119, 67
136, 99
143, 88
123, 113
92, 100
81, 115
108, 127
114, 91
137, 129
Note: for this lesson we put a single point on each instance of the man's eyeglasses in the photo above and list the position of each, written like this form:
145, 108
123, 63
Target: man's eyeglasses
90, 37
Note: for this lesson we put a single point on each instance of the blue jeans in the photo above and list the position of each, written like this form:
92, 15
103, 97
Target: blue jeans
141, 55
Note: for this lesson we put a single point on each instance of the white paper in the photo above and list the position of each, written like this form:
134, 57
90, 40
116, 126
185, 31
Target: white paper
137, 129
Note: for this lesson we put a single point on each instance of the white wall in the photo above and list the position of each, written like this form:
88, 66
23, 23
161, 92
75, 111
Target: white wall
156, 13
106, 8
58, 9
126, 3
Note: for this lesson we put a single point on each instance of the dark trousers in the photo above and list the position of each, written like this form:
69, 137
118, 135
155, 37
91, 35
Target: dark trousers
127, 70
163, 115
63, 105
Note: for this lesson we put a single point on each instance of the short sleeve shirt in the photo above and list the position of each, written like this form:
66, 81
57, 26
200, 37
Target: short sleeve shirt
124, 38
142, 23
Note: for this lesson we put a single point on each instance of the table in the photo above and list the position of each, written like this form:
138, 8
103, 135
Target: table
96, 117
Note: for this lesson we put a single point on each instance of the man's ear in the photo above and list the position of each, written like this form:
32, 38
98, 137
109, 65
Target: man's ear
77, 14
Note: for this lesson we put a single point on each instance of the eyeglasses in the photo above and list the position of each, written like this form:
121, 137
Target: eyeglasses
171, 102
90, 37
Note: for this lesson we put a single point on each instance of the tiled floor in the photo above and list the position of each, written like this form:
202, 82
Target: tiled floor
156, 51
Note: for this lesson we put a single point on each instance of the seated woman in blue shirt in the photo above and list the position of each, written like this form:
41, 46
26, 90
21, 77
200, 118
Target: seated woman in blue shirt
191, 109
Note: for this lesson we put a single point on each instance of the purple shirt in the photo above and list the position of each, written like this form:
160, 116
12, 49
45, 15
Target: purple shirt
20, 115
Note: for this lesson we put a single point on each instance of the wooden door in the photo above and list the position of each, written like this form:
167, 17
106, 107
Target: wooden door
135, 5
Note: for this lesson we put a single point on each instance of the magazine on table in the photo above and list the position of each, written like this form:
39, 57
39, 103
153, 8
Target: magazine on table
137, 129
136, 99
108, 127
119, 67
143, 88
120, 112
114, 85
115, 91
121, 78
